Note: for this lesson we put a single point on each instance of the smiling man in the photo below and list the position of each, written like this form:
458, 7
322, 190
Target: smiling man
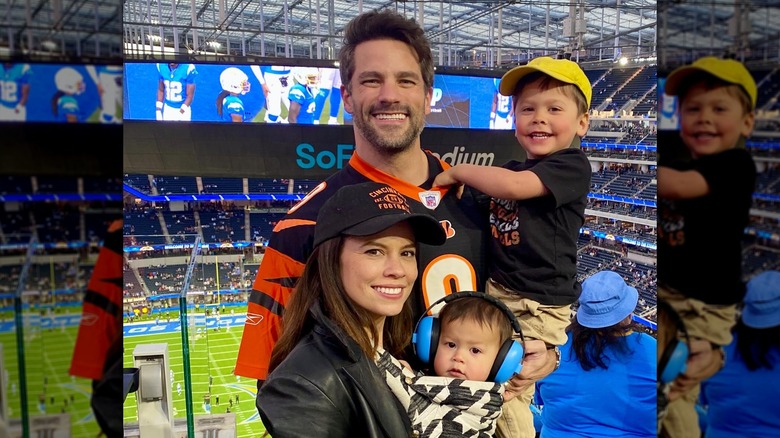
387, 76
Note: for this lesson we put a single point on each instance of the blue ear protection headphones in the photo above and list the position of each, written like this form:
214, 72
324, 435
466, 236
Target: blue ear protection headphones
509, 360
675, 353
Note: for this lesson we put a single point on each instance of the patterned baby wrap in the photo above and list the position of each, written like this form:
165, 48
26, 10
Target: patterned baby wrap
444, 406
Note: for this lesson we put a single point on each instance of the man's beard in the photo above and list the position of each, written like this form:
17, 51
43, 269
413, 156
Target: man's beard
382, 141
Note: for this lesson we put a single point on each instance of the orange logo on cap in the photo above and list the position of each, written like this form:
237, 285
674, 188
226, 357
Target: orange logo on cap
388, 198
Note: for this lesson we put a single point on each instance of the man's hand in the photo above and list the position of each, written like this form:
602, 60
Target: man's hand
538, 362
514, 387
703, 362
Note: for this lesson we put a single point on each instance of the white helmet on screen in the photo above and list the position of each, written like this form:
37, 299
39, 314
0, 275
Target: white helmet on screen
307, 76
234, 80
69, 81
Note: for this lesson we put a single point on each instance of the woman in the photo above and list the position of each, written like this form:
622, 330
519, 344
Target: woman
606, 383
349, 306
742, 397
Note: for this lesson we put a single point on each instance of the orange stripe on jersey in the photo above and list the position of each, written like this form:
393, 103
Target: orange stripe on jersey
290, 223
444, 165
101, 322
277, 270
408, 189
115, 226
271, 291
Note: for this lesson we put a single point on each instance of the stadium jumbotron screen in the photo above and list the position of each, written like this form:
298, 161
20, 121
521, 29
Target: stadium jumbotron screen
267, 93
668, 116
66, 93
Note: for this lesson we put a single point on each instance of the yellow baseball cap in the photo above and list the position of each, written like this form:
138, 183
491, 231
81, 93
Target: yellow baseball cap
727, 70
563, 70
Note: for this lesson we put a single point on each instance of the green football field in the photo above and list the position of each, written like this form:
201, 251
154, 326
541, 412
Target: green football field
212, 353
48, 353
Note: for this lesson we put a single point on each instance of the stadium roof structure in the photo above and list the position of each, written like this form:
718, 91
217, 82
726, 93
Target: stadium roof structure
488, 34
61, 29
748, 30
483, 34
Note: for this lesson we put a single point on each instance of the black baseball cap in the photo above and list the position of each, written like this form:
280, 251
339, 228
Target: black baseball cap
370, 208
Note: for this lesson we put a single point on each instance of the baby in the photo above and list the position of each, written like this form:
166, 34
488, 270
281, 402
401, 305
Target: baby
473, 355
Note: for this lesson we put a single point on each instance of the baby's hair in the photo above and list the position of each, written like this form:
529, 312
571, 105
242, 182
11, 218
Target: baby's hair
547, 82
711, 82
479, 310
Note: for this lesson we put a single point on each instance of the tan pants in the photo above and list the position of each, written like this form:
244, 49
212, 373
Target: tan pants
682, 420
704, 321
537, 321
710, 322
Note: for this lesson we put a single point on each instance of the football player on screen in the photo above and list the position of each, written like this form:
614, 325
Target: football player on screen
330, 88
64, 105
175, 91
502, 113
276, 82
303, 95
108, 79
234, 83
14, 91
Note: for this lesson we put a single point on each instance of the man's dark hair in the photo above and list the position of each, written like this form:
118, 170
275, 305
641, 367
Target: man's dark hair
384, 24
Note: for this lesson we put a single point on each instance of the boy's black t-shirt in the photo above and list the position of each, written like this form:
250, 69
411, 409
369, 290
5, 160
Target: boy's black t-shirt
700, 240
534, 245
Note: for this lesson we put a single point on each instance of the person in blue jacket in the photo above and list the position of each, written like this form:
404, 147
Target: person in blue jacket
605, 385
741, 399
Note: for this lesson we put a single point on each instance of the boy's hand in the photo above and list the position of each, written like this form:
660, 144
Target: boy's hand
446, 178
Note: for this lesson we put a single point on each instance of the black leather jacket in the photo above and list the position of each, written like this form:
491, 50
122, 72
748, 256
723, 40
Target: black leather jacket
327, 387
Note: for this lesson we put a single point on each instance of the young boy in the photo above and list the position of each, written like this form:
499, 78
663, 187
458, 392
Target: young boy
536, 211
462, 399
704, 206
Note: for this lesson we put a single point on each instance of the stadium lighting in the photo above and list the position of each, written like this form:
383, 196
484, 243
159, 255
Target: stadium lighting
49, 45
623, 60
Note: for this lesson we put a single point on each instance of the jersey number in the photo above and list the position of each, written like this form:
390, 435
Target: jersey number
173, 91
8, 91
444, 275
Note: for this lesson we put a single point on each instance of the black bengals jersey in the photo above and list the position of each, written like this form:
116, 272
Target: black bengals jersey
460, 264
